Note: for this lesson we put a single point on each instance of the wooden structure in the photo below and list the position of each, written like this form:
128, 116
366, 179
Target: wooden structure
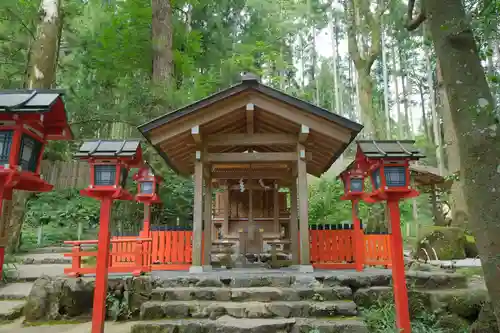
28, 119
387, 162
110, 161
250, 133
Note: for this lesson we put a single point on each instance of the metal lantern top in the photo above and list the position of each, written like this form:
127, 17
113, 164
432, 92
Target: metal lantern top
147, 185
42, 108
28, 118
353, 178
387, 162
110, 161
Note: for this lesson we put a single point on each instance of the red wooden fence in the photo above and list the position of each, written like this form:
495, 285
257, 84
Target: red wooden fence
172, 250
127, 255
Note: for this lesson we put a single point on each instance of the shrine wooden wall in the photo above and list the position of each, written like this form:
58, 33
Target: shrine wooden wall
262, 203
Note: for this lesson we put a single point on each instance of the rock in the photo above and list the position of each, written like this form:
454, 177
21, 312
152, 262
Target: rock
263, 294
43, 300
176, 310
151, 310
466, 303
248, 282
279, 310
178, 294
227, 324
140, 289
470, 247
209, 282
351, 281
451, 323
76, 298
306, 281
367, 297
306, 325
435, 280
11, 310
486, 322
447, 242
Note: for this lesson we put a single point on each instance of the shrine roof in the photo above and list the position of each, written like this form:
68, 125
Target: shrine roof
389, 149
252, 111
109, 148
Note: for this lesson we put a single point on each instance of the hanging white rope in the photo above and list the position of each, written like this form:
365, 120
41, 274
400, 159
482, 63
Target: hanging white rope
242, 185
261, 182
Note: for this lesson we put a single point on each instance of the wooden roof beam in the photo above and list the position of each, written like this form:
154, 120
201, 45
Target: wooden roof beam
273, 174
175, 128
316, 124
267, 139
254, 157
304, 133
250, 118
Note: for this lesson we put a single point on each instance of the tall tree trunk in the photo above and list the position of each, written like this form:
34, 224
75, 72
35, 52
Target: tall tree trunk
163, 58
41, 74
387, 110
478, 132
457, 199
425, 123
434, 114
406, 86
358, 15
401, 129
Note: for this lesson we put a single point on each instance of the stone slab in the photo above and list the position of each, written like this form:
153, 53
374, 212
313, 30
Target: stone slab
32, 272
110, 327
15, 291
10, 310
153, 310
260, 294
228, 324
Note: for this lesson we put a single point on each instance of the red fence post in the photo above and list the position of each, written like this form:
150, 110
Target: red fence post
76, 261
101, 280
398, 269
359, 237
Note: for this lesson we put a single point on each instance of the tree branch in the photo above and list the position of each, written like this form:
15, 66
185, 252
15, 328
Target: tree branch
414, 23
22, 22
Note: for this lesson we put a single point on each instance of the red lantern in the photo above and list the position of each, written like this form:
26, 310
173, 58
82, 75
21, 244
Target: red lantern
110, 161
28, 119
354, 182
387, 162
148, 185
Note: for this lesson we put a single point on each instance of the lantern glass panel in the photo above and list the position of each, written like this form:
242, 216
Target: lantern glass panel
5, 144
395, 176
146, 187
104, 175
356, 185
30, 151
376, 178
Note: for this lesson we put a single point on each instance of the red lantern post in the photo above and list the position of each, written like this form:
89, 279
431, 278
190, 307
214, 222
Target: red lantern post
28, 119
353, 178
147, 192
388, 164
110, 161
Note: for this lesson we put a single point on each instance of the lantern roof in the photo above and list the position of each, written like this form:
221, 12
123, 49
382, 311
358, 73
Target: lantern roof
147, 171
26, 103
389, 149
128, 149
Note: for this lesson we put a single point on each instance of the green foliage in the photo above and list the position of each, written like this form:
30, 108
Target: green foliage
9, 268
381, 318
66, 208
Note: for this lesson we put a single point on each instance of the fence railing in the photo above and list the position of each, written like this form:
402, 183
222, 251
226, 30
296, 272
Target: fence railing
127, 255
172, 250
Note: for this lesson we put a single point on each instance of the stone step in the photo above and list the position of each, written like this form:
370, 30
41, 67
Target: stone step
209, 309
354, 280
10, 310
229, 324
15, 291
259, 294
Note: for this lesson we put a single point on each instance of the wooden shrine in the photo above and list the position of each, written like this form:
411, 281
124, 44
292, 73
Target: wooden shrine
256, 137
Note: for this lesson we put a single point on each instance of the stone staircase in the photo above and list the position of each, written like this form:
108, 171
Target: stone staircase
260, 303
